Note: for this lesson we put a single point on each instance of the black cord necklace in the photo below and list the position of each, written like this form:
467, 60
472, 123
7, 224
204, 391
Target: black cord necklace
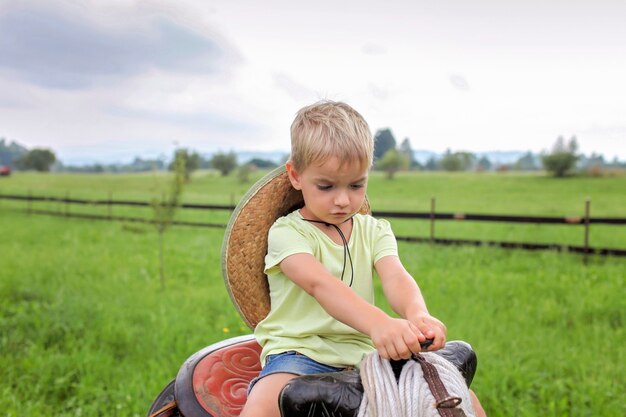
346, 250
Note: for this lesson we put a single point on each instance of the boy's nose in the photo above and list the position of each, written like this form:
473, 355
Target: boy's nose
341, 199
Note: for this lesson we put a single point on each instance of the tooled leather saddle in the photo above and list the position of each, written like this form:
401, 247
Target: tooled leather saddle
214, 382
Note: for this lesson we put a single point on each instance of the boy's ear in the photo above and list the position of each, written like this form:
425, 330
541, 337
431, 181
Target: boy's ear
293, 175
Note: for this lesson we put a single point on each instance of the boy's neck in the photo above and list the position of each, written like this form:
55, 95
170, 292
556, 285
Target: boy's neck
339, 233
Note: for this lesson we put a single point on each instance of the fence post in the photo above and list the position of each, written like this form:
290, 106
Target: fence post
67, 204
587, 210
432, 219
29, 203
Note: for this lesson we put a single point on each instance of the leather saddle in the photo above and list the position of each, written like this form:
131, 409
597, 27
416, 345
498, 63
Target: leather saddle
214, 381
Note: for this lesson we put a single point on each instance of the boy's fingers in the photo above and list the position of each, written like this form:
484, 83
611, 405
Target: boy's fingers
413, 343
383, 353
440, 339
391, 352
420, 335
404, 348
427, 330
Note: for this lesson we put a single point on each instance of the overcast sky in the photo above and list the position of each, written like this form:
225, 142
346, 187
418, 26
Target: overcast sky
104, 80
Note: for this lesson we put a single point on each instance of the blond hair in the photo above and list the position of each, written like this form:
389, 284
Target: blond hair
330, 129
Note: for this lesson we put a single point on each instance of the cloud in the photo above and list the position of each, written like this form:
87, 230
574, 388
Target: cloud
373, 49
379, 92
459, 82
198, 121
292, 87
56, 50
12, 103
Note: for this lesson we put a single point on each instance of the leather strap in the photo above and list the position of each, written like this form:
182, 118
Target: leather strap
167, 410
446, 404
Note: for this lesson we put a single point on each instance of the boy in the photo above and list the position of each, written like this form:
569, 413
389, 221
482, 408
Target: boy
320, 264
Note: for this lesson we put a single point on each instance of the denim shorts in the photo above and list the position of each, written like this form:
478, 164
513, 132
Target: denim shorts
291, 362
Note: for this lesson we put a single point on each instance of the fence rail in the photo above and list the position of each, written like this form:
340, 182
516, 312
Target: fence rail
498, 218
389, 214
586, 221
67, 200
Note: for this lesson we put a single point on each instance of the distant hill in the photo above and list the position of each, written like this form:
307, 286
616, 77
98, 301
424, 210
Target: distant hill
501, 157
422, 156
496, 157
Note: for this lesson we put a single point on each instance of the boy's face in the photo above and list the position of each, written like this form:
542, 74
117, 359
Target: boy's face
332, 192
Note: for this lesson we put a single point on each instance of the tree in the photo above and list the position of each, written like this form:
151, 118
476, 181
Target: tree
244, 171
526, 162
383, 141
457, 161
191, 159
483, 164
37, 159
224, 162
405, 149
10, 152
562, 159
262, 163
165, 208
432, 164
451, 162
393, 161
468, 159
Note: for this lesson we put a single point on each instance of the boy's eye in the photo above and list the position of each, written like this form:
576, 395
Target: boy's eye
356, 186
324, 187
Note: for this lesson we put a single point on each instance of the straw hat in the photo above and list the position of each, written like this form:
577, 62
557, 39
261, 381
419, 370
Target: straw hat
245, 242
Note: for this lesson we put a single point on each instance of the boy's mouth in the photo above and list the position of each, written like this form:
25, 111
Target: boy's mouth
340, 217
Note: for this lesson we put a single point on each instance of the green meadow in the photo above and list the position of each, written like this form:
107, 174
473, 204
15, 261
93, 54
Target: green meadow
87, 330
483, 193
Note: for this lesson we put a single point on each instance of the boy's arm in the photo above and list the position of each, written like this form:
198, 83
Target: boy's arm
406, 299
393, 338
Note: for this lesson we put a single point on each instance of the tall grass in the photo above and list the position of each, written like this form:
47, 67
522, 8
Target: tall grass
85, 329
548, 331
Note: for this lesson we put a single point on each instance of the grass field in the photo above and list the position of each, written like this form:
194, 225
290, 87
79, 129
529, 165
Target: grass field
499, 193
483, 193
86, 330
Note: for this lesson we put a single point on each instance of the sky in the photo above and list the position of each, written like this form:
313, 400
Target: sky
108, 80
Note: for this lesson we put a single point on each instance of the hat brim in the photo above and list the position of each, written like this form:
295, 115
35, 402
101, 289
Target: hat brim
245, 242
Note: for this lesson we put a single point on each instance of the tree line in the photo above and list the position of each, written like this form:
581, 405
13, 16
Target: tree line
563, 159
18, 157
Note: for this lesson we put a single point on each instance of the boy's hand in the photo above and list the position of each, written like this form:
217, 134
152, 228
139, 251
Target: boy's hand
396, 338
429, 327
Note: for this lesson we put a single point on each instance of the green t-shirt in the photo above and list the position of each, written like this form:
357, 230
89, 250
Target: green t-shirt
296, 321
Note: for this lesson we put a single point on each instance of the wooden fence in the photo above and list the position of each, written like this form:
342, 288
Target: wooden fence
432, 216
